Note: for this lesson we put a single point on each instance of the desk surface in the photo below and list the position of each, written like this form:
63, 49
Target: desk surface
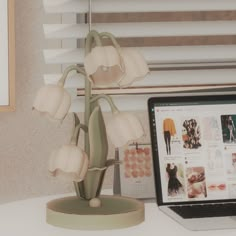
28, 218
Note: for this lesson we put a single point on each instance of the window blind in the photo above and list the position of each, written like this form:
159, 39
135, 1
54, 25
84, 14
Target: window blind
188, 44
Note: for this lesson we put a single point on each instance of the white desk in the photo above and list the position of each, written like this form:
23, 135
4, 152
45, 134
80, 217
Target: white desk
28, 218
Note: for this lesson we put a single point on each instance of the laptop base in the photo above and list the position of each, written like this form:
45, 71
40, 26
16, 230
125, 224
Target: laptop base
198, 224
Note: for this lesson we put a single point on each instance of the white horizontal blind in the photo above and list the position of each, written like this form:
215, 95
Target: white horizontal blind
188, 44
107, 6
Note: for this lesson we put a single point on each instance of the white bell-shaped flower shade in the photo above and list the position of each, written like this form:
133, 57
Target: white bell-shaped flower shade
69, 162
104, 66
52, 100
135, 66
124, 128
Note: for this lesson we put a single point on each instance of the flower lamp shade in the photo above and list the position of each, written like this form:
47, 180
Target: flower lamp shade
70, 162
135, 65
104, 66
123, 128
52, 100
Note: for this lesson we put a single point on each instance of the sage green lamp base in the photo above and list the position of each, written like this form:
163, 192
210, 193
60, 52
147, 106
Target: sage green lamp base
115, 212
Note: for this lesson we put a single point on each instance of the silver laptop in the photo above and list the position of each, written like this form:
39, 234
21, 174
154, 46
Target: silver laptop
194, 156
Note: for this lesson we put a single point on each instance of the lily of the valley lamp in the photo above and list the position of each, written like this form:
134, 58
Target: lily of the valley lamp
104, 66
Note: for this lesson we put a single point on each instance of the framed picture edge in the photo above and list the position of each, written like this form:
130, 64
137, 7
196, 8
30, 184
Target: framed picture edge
11, 58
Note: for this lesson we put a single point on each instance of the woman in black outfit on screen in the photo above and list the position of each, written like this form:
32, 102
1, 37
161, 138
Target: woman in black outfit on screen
173, 183
231, 128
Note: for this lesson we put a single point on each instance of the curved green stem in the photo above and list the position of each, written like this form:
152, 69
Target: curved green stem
75, 136
92, 36
108, 99
62, 80
76, 119
78, 126
114, 42
112, 38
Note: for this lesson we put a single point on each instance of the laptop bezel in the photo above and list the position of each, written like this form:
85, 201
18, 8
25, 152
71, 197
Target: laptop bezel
179, 98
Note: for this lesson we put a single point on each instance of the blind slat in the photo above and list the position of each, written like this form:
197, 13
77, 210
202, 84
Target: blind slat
63, 56
72, 81
153, 90
114, 6
153, 55
162, 78
129, 102
143, 29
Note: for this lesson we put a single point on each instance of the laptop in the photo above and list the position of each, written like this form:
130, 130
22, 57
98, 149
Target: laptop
193, 140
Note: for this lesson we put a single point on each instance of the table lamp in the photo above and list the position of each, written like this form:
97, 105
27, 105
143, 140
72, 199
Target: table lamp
104, 66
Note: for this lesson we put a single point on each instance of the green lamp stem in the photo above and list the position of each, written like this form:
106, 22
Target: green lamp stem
77, 127
108, 99
62, 80
93, 36
75, 136
112, 38
95, 140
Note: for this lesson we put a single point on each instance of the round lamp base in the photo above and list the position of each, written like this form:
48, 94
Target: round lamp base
115, 212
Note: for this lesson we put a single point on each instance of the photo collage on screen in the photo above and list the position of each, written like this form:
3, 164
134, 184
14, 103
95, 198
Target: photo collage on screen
197, 153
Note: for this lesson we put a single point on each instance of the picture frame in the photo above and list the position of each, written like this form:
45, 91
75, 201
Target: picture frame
134, 177
7, 55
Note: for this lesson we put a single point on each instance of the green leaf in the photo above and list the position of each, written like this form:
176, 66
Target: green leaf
91, 186
97, 139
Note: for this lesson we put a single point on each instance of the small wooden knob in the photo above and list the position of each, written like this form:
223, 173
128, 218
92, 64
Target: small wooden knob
95, 202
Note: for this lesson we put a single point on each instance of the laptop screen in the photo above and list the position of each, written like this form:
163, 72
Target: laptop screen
194, 147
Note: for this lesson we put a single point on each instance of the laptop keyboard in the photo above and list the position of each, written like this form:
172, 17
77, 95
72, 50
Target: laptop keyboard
206, 210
